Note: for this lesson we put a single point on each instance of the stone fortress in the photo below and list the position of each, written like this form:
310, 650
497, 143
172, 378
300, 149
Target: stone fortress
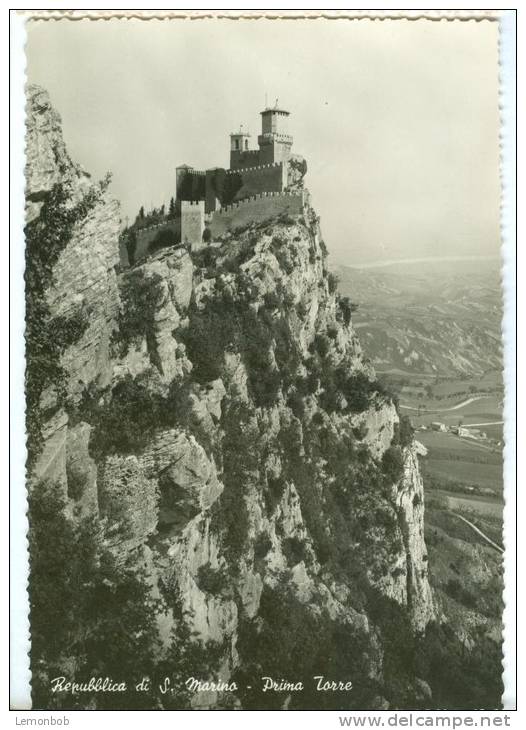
259, 184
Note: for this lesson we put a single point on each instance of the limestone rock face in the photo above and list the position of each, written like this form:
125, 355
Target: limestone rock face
81, 469
410, 502
128, 500
174, 269
86, 282
227, 515
379, 426
188, 479
214, 616
47, 160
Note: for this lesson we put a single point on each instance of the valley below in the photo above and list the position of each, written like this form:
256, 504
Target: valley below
433, 333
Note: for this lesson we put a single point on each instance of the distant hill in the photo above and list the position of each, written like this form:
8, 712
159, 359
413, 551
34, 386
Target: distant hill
440, 319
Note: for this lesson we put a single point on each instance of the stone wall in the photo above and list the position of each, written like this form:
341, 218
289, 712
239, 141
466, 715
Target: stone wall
262, 179
256, 209
274, 148
244, 158
192, 222
146, 236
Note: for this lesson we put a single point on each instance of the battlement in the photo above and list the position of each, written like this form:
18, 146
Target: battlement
152, 227
196, 172
255, 167
146, 237
256, 209
248, 153
192, 203
271, 136
259, 196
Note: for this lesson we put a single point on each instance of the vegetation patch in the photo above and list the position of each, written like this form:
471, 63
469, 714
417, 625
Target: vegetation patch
141, 298
125, 419
289, 640
212, 580
239, 449
294, 550
47, 337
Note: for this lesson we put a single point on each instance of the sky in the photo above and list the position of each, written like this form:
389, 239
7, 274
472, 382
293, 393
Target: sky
398, 119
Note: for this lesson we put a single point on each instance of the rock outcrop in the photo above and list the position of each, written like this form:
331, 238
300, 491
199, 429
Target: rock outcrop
254, 458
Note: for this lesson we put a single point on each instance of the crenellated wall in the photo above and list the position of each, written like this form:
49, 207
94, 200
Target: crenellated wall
256, 209
261, 179
146, 236
244, 158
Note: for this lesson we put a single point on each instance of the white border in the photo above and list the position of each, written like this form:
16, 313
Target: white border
20, 675
20, 629
507, 55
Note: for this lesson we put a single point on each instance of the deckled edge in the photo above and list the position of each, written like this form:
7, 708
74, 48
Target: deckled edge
435, 15
507, 140
20, 674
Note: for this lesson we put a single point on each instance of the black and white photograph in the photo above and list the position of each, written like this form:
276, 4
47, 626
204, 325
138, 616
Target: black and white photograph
265, 407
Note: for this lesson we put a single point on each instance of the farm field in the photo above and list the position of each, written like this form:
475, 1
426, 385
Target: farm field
475, 402
466, 472
451, 446
487, 411
454, 460
477, 505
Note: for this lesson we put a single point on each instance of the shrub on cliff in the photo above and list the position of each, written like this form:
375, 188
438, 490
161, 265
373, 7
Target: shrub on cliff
240, 448
67, 330
291, 641
294, 550
393, 464
262, 546
273, 492
141, 298
129, 414
460, 678
406, 431
84, 607
332, 281
46, 238
346, 308
211, 580
358, 389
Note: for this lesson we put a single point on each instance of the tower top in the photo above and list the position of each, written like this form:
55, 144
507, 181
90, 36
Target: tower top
242, 132
274, 110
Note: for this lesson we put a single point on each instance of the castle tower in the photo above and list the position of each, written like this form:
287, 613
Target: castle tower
180, 174
192, 223
274, 141
239, 143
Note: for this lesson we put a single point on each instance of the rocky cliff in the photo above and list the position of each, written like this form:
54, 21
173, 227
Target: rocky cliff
215, 415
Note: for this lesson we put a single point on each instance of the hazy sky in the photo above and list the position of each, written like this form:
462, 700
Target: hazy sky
398, 119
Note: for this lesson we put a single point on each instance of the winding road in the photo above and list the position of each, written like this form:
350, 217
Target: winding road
479, 532
445, 410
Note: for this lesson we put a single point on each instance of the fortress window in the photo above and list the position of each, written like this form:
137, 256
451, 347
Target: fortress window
246, 144
237, 144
